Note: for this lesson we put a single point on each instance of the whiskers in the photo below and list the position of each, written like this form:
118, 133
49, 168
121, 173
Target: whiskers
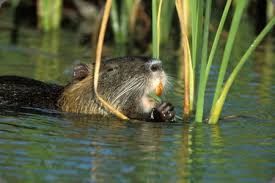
133, 88
170, 81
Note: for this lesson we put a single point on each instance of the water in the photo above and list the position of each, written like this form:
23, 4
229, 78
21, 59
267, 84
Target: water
59, 148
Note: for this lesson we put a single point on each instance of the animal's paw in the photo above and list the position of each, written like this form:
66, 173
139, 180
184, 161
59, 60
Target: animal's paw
163, 113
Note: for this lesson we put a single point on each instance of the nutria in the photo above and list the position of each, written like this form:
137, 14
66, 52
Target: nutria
125, 83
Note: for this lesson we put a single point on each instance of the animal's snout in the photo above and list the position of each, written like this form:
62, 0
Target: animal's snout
155, 66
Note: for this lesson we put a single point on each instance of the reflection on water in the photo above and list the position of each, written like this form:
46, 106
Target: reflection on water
37, 147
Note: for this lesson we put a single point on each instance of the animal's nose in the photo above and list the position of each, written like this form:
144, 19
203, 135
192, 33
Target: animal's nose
155, 65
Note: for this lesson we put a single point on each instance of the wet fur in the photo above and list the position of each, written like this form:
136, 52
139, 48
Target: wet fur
124, 82
25, 92
126, 91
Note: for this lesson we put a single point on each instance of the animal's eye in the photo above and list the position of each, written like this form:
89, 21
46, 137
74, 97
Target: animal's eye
110, 69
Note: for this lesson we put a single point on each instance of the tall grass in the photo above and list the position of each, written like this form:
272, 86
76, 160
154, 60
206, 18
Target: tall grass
217, 108
154, 28
240, 5
200, 101
187, 62
197, 58
120, 19
100, 42
200, 20
49, 14
166, 18
201, 95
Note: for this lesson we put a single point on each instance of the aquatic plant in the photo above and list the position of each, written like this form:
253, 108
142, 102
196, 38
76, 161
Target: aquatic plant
216, 110
120, 20
201, 12
187, 62
100, 42
162, 16
155, 32
166, 18
49, 14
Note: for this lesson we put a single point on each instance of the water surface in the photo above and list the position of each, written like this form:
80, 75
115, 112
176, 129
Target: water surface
35, 147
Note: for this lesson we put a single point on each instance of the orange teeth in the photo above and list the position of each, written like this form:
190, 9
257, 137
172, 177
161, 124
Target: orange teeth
159, 89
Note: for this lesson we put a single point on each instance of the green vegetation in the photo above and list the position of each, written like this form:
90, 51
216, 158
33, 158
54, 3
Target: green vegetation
198, 8
121, 19
49, 14
198, 58
214, 117
99, 48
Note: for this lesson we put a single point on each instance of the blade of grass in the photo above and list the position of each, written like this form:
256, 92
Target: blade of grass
240, 5
158, 28
167, 12
214, 117
126, 7
49, 14
201, 91
98, 60
194, 15
186, 18
57, 8
188, 69
216, 40
199, 32
154, 27
186, 12
196, 18
115, 21
210, 59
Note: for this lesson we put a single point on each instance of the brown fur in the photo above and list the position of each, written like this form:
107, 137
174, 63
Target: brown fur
125, 83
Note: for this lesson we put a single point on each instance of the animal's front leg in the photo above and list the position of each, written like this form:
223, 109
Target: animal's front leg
163, 113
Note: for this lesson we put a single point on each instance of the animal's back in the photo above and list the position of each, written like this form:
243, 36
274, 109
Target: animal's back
18, 91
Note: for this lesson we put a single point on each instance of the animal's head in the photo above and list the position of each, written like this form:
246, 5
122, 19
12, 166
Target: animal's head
125, 82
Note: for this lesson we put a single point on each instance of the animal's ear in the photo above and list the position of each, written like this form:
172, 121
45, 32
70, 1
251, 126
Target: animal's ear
81, 71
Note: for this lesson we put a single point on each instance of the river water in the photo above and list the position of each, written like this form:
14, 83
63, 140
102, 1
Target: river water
35, 147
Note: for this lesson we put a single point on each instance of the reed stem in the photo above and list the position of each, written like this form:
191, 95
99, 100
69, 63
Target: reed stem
188, 69
158, 28
49, 14
154, 28
98, 60
202, 83
217, 108
240, 5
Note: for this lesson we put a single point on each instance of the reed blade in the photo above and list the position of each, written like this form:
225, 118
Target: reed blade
154, 27
188, 69
217, 108
201, 91
158, 28
98, 60
216, 40
240, 5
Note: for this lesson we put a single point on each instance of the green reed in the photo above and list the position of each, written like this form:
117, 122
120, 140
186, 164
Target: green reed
202, 83
240, 5
200, 21
49, 14
14, 3
120, 20
154, 28
199, 113
166, 18
217, 108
